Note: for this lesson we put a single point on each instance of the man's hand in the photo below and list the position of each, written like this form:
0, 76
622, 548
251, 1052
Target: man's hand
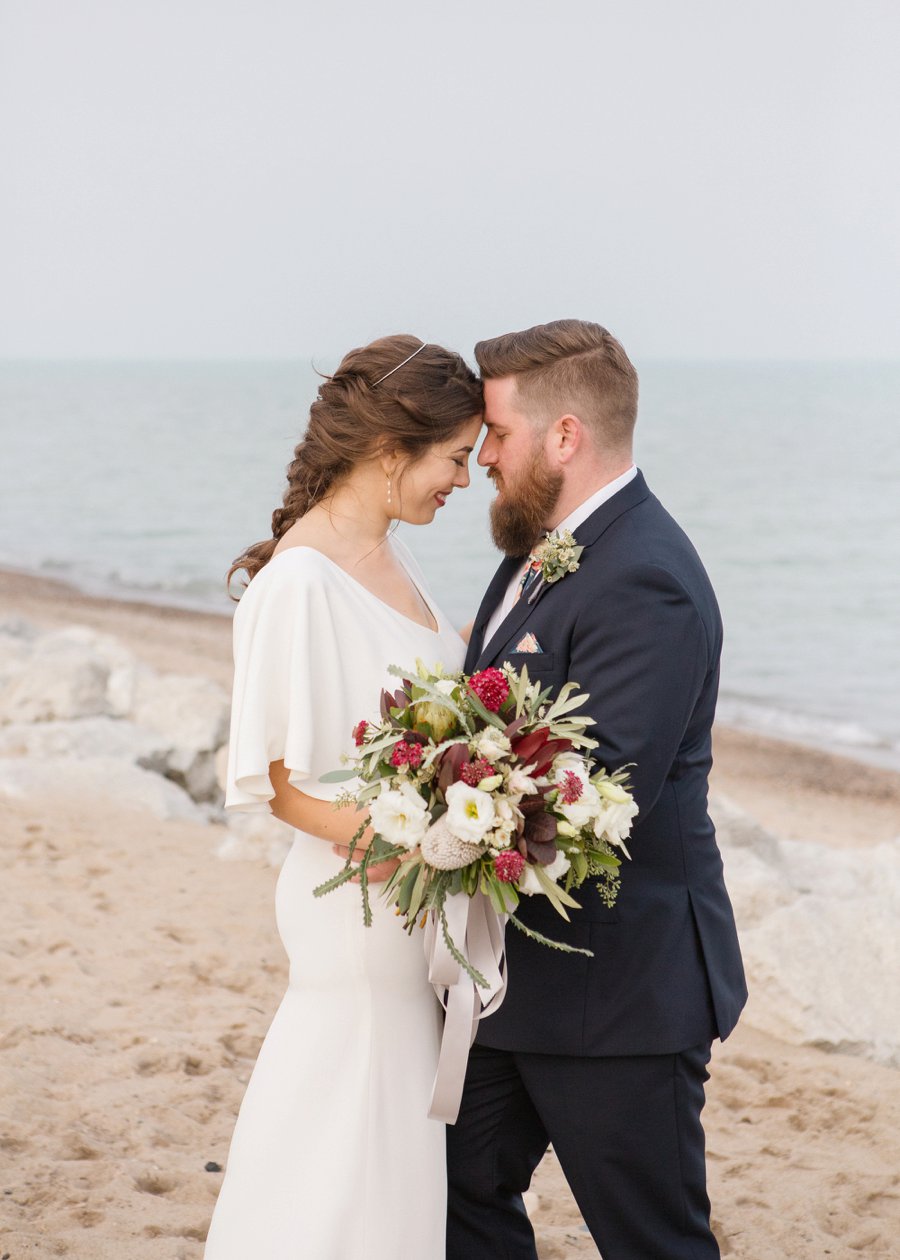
378, 872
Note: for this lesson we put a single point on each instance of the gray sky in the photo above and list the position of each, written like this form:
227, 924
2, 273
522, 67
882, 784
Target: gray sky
211, 178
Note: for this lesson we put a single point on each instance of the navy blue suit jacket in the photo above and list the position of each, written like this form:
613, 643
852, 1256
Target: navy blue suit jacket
638, 628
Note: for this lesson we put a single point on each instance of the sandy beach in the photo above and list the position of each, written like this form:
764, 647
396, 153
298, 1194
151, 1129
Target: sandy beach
141, 970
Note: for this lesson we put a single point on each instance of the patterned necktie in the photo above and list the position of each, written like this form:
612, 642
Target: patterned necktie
529, 578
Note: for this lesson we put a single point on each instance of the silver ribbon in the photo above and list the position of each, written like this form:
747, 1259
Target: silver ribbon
477, 931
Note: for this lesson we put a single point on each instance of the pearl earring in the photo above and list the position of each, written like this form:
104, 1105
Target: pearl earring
389, 491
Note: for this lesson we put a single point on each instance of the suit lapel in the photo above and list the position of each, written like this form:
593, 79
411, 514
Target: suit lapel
587, 533
516, 617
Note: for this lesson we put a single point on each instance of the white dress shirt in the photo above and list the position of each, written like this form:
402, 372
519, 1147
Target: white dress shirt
575, 518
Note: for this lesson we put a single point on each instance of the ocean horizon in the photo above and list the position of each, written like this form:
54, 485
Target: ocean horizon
142, 479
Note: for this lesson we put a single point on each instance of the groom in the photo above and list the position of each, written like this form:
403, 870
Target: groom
603, 1057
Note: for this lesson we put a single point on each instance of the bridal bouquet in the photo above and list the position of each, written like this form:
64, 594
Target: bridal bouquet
480, 784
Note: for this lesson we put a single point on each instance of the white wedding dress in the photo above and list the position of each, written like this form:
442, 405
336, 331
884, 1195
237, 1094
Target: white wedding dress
333, 1155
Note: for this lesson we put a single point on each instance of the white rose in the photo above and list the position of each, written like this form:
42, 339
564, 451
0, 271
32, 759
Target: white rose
492, 744
400, 817
470, 813
521, 783
581, 813
613, 822
446, 686
568, 761
528, 882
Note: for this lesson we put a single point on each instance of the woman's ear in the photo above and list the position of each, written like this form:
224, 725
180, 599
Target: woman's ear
390, 460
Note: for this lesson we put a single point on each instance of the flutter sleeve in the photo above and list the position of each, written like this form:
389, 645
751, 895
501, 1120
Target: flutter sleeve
288, 702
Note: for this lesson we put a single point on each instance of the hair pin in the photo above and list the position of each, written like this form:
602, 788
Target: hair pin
400, 365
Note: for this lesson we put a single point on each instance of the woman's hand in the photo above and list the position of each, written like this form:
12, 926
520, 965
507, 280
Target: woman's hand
320, 818
378, 872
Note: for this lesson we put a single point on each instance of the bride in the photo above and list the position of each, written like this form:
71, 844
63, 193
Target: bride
333, 1156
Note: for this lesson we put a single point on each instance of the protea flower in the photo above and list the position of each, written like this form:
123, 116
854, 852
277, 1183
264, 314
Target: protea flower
439, 719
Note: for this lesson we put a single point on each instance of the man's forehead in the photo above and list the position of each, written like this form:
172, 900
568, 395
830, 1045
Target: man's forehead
500, 400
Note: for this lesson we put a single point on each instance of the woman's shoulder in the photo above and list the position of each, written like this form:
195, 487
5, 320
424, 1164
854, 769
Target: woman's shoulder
294, 581
292, 569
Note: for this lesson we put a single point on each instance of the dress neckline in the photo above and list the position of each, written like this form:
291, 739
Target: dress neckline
360, 586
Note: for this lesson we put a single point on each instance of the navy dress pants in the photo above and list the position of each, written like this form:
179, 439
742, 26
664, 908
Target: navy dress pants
627, 1134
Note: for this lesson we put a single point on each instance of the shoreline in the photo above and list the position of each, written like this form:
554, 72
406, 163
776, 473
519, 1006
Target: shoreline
56, 601
162, 635
45, 587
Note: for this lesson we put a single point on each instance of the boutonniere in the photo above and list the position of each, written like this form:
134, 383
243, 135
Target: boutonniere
555, 555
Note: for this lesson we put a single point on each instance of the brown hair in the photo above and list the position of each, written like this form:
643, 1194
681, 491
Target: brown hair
367, 406
569, 365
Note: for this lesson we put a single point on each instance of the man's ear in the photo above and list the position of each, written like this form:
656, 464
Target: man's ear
566, 437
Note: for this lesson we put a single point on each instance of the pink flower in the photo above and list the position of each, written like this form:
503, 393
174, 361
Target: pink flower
571, 787
509, 865
473, 772
491, 688
405, 754
359, 733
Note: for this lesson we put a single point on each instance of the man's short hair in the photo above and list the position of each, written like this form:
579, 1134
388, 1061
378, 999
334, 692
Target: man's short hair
572, 366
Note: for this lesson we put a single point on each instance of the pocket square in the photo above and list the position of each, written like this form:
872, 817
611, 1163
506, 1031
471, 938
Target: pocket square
529, 644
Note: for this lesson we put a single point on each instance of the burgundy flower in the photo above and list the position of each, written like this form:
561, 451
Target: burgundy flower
359, 733
475, 771
509, 865
491, 688
405, 754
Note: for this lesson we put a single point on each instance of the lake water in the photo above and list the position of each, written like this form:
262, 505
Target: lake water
146, 479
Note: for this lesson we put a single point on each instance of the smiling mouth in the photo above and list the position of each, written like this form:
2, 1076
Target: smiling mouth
442, 496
